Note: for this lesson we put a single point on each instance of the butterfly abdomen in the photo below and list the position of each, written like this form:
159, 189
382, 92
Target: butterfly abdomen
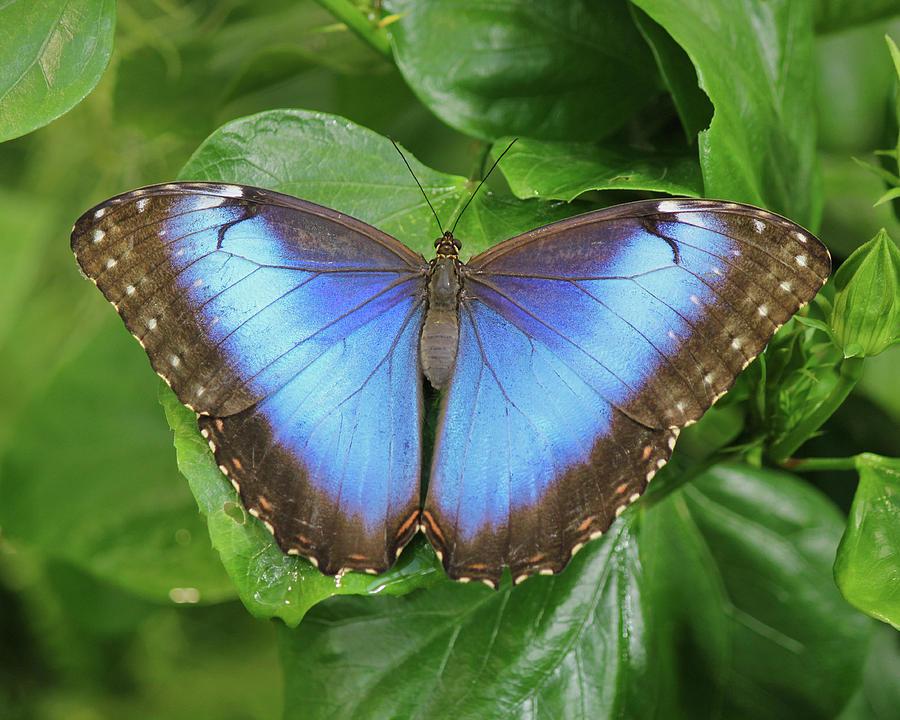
440, 330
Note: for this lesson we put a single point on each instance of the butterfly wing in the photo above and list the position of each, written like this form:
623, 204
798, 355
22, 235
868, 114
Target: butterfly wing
584, 346
292, 331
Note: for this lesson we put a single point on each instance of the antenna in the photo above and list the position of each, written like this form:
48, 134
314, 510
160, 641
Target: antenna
472, 196
419, 184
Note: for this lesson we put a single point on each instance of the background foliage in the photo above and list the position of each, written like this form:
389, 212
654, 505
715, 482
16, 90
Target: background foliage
735, 588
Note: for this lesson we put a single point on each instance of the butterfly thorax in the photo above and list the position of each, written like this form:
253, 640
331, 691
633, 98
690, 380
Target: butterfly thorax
440, 330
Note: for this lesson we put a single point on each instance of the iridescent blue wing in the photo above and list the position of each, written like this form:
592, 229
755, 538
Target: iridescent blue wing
584, 346
292, 331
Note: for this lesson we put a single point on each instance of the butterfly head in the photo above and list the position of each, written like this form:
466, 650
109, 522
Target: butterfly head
447, 245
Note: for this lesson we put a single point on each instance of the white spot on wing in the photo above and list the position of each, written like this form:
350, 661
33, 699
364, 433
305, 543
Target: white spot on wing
669, 206
99, 235
759, 225
151, 324
129, 289
141, 204
786, 286
100, 212
110, 264
801, 260
206, 202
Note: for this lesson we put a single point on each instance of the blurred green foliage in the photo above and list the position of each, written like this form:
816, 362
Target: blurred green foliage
713, 597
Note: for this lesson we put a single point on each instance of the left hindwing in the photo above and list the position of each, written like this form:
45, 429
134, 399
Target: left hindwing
584, 346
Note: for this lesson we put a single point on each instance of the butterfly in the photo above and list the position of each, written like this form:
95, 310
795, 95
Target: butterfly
569, 358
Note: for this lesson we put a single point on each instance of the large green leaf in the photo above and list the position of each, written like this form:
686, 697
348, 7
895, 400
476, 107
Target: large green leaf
744, 559
715, 602
840, 15
561, 71
571, 645
752, 60
868, 561
98, 493
563, 171
879, 695
52, 54
679, 75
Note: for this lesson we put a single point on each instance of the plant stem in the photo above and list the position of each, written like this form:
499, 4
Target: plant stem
850, 372
358, 23
814, 464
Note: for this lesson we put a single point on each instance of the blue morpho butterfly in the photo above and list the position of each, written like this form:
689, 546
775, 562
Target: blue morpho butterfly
570, 357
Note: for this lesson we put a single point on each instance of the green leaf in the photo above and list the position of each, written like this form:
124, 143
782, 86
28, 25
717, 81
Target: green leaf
563, 171
542, 648
895, 57
840, 15
866, 312
879, 696
560, 71
740, 564
867, 568
752, 60
52, 54
98, 494
886, 175
679, 75
891, 194
331, 161
683, 610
